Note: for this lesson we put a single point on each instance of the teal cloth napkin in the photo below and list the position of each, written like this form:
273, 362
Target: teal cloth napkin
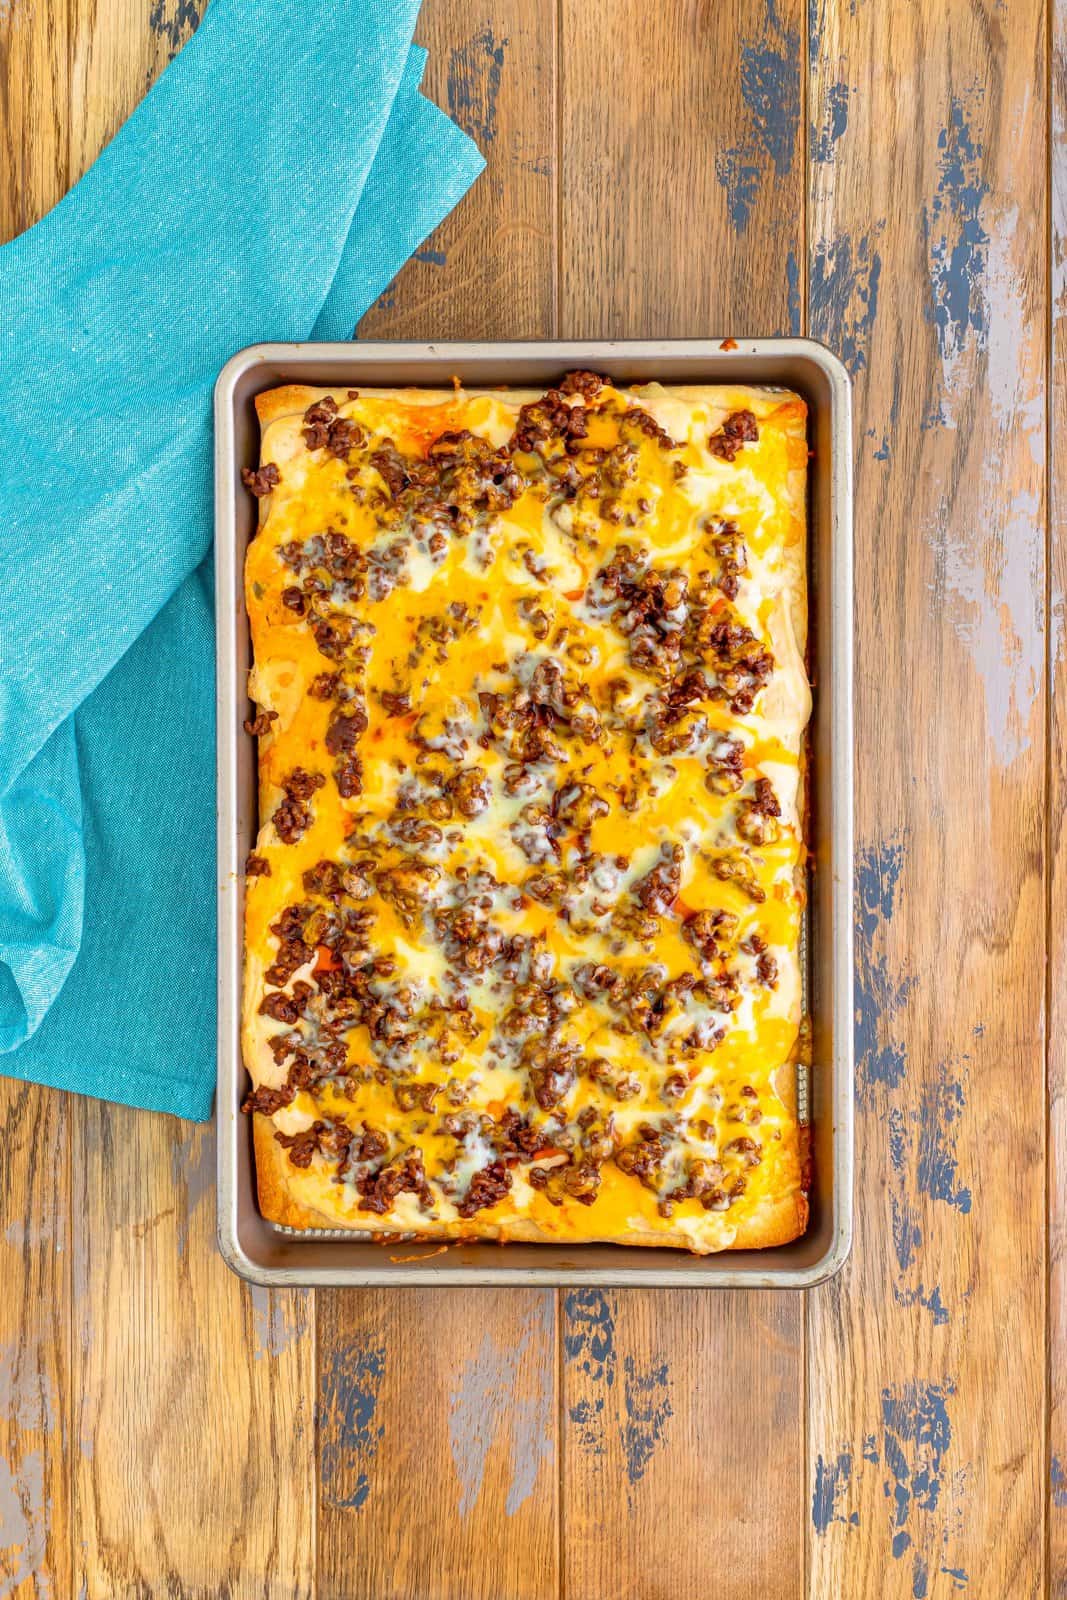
268, 187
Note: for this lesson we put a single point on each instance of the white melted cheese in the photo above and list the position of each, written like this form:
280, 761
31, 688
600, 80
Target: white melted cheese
537, 558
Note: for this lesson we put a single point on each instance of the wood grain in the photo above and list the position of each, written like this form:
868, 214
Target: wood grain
649, 171
668, 1400
437, 1445
661, 234
109, 1487
1056, 1465
489, 270
37, 1441
927, 270
193, 1392
117, 50
34, 116
682, 168
36, 1438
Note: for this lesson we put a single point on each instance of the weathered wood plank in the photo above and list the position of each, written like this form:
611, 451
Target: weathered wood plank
117, 50
681, 176
684, 1421
682, 213
925, 1365
36, 1439
461, 1382
193, 1410
34, 112
1057, 817
927, 271
193, 1463
489, 270
437, 1441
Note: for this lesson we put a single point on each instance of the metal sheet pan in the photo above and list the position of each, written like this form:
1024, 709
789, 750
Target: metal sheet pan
266, 1254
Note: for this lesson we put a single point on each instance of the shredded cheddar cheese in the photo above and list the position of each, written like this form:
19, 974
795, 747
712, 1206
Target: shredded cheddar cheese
523, 918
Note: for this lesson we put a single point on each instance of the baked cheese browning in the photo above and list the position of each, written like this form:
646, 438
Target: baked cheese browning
523, 916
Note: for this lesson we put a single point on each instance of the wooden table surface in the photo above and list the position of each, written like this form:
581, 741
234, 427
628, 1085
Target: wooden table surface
891, 178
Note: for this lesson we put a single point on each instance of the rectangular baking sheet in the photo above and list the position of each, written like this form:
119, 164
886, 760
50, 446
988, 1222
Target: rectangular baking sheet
266, 1254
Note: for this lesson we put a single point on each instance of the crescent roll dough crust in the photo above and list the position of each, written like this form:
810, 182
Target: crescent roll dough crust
523, 918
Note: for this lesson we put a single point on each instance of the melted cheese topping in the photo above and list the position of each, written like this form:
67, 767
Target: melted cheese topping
530, 907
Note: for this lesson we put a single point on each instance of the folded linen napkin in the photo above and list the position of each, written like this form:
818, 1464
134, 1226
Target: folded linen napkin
268, 187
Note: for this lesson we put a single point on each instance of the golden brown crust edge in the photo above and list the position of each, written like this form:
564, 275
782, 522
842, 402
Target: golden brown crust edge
283, 402
779, 1221
276, 1202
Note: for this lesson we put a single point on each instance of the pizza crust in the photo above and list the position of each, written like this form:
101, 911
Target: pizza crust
776, 1222
290, 1197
